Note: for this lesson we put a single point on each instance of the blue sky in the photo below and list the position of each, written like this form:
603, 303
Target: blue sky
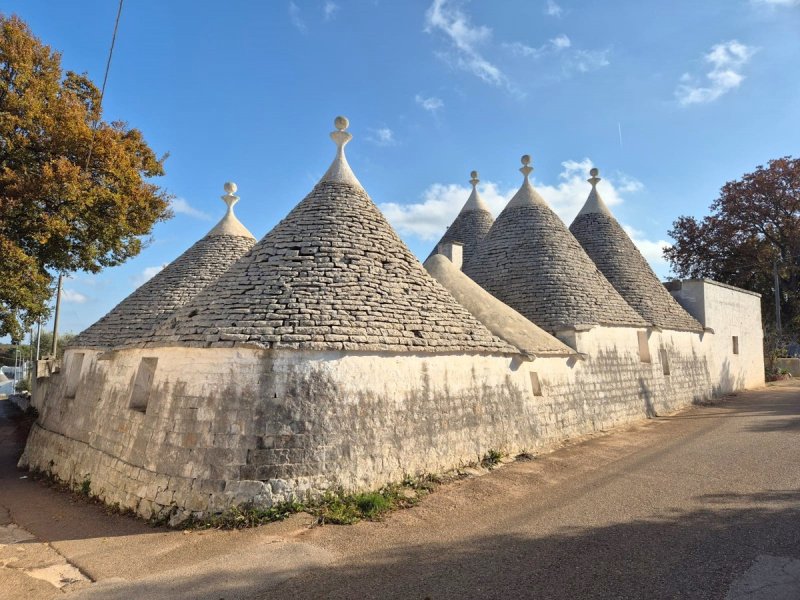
669, 99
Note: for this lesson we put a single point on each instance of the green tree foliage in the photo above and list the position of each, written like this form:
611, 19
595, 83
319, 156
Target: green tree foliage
26, 351
74, 190
755, 221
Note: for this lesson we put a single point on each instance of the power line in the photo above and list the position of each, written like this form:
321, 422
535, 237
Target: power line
103, 88
88, 159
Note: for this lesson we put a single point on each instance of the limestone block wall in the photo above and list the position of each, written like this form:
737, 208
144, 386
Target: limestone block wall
616, 383
231, 425
736, 351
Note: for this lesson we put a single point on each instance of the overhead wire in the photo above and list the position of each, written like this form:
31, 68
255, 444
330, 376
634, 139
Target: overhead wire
103, 87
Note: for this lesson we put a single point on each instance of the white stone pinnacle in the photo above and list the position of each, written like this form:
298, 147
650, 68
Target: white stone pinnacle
594, 203
230, 225
526, 195
340, 171
474, 202
526, 168
229, 198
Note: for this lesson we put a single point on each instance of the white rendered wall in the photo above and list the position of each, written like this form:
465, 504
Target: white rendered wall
729, 312
230, 425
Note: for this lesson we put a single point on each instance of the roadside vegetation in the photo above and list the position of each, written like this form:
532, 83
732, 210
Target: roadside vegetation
336, 507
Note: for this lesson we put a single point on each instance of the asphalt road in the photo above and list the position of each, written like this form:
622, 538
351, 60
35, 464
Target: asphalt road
701, 504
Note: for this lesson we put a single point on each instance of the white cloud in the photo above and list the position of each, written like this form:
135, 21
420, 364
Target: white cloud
584, 61
560, 48
465, 38
180, 206
552, 9
147, 274
560, 42
568, 195
431, 104
296, 19
330, 9
428, 219
553, 46
440, 203
627, 184
68, 295
776, 3
653, 251
726, 60
382, 136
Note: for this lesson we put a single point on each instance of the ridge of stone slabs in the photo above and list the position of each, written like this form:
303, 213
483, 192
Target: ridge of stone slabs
468, 228
615, 254
530, 261
332, 275
157, 299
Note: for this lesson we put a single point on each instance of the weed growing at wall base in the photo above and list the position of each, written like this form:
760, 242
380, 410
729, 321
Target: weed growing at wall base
242, 517
491, 459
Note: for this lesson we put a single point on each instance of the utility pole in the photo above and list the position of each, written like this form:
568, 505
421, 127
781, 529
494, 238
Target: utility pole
30, 359
54, 348
777, 286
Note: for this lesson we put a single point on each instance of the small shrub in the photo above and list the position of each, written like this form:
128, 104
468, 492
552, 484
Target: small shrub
86, 486
491, 459
336, 509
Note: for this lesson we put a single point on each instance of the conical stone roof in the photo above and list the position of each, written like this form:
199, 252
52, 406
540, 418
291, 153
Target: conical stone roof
332, 275
155, 301
615, 254
471, 225
530, 261
500, 319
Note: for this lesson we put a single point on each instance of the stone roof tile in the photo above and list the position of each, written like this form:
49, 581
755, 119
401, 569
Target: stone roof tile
615, 254
471, 225
332, 275
530, 261
176, 284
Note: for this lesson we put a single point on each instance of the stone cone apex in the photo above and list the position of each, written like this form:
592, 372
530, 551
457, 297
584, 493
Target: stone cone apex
340, 171
229, 224
594, 203
472, 223
332, 275
132, 321
526, 195
615, 254
530, 261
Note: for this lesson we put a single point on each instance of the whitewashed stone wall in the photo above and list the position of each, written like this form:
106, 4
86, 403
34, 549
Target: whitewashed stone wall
729, 312
231, 425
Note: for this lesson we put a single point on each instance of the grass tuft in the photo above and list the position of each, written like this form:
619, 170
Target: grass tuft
242, 517
491, 459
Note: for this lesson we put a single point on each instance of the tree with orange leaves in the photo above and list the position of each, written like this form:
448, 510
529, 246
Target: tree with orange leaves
75, 191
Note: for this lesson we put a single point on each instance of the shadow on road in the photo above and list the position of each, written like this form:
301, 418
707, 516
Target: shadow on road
43, 508
682, 555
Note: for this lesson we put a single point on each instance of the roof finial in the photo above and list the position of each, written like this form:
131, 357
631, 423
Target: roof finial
526, 169
340, 136
340, 171
230, 198
474, 179
229, 224
594, 179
